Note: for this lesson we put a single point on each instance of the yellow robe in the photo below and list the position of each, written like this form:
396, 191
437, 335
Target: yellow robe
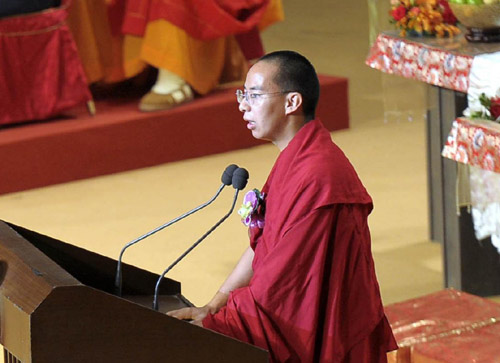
100, 52
110, 58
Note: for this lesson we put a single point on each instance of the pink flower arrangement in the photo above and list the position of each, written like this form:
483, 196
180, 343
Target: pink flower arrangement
252, 209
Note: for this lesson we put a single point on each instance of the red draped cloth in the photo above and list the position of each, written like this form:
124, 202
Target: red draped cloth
314, 296
40, 72
207, 19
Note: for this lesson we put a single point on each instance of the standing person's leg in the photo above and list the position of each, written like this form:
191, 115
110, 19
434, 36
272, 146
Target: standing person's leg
185, 64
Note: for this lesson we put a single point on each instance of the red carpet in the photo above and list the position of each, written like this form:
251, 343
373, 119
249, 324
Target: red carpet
121, 138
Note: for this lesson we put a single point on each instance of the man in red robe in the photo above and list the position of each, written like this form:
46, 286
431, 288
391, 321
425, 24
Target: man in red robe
305, 289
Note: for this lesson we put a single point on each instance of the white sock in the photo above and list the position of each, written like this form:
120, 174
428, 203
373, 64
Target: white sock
168, 82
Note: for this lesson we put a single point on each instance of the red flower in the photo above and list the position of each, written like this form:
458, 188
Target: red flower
448, 16
398, 13
495, 108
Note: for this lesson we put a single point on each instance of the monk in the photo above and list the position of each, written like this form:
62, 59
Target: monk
195, 44
305, 289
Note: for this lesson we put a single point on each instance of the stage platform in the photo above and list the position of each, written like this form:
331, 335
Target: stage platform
119, 137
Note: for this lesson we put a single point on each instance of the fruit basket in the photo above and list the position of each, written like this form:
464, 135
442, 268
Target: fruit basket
480, 17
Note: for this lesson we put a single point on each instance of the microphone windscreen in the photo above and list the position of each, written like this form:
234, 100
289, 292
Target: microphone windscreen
227, 175
240, 178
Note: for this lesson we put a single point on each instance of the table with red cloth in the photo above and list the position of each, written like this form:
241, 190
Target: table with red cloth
445, 326
442, 62
445, 65
474, 142
40, 70
475, 145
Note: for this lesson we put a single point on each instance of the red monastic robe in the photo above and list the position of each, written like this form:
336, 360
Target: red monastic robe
314, 296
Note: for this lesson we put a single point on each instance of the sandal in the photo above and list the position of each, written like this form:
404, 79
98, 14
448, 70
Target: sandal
153, 101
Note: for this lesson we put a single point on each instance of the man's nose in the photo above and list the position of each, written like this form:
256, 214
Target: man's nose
244, 106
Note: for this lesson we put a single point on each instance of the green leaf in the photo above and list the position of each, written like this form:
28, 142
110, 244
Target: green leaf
485, 101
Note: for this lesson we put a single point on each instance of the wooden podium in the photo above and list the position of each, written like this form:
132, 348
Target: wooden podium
57, 305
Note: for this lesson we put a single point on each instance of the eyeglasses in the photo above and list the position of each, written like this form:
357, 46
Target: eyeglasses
251, 97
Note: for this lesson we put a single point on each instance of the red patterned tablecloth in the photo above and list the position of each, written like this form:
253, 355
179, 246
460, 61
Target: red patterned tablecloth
474, 142
431, 60
445, 326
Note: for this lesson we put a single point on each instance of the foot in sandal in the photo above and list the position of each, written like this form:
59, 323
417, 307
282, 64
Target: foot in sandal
169, 91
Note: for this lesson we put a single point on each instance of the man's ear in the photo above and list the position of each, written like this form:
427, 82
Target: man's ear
293, 102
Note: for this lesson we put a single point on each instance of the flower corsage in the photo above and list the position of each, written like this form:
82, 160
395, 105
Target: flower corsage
252, 209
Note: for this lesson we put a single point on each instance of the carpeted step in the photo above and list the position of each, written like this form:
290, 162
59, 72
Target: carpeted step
119, 137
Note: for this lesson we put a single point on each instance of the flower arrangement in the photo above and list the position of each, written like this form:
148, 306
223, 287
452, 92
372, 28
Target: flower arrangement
423, 17
252, 209
487, 108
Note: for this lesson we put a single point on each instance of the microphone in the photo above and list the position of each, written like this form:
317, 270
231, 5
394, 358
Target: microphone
239, 181
226, 178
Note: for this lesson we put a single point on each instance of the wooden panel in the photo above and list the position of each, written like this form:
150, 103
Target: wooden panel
104, 328
27, 267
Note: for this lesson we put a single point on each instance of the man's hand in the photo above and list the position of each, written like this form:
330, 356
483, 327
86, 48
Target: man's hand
239, 277
196, 315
